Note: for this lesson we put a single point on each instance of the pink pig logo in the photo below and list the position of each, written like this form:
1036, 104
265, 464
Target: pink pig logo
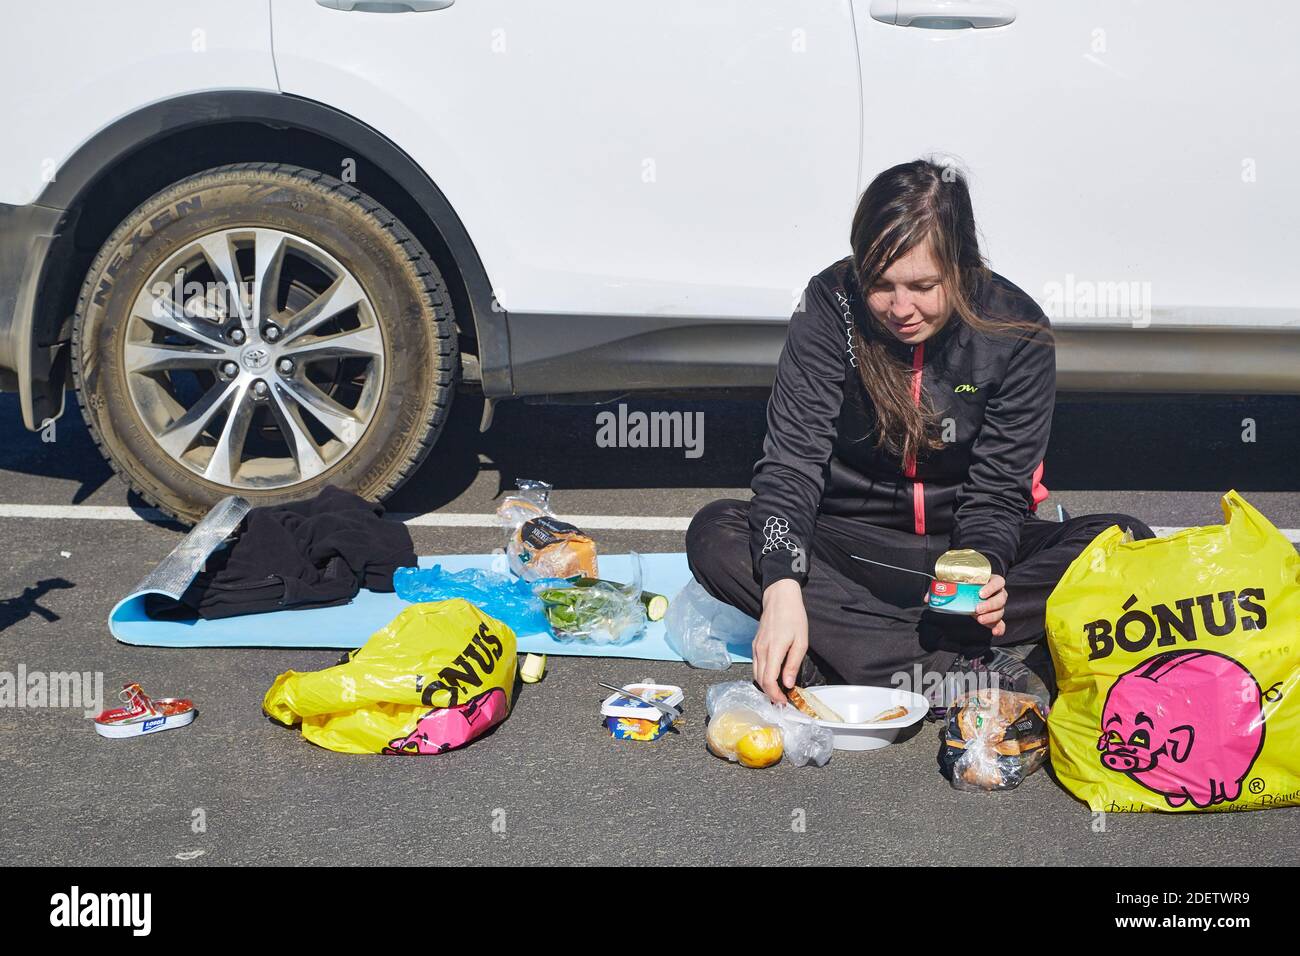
1186, 724
445, 728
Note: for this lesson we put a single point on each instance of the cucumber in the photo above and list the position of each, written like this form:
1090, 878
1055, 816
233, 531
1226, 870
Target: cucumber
656, 605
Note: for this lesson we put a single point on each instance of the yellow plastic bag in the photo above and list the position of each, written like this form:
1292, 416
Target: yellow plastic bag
1177, 661
436, 677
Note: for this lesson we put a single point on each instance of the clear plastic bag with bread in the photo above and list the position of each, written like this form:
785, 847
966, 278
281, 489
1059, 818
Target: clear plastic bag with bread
540, 545
746, 728
993, 739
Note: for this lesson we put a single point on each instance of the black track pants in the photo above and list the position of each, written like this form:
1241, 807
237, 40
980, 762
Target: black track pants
868, 624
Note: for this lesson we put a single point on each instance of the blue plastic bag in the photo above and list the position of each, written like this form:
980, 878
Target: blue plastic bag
503, 596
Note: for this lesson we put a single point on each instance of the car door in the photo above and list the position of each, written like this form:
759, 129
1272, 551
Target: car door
677, 158
1130, 163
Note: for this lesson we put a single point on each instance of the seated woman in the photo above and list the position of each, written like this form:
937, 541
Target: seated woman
910, 416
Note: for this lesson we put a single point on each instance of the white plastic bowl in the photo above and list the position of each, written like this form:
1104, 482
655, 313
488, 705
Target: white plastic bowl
857, 704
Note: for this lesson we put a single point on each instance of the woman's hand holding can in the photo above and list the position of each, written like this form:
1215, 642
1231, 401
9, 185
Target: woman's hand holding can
993, 599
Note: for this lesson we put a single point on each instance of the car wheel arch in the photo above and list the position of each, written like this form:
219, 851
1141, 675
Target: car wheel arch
86, 177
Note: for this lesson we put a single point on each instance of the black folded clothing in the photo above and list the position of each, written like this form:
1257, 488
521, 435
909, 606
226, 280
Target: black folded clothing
314, 553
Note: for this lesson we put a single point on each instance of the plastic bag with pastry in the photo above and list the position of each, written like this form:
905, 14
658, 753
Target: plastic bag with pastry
540, 545
993, 739
803, 741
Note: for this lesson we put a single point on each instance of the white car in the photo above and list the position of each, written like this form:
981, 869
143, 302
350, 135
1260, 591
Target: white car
267, 240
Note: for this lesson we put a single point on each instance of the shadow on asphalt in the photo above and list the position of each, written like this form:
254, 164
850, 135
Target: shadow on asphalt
23, 606
1099, 443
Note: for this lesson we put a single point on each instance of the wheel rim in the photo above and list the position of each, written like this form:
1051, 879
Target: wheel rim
254, 358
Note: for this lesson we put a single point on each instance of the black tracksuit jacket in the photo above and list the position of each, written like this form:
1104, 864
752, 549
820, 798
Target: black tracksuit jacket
995, 392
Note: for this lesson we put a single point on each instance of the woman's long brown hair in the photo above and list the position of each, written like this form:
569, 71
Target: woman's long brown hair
905, 206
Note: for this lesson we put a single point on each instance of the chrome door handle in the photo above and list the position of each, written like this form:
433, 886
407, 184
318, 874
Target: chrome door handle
386, 6
944, 14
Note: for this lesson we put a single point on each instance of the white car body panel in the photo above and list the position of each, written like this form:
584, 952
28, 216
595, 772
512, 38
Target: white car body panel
1128, 164
688, 164
1117, 149
73, 67
1118, 177
669, 158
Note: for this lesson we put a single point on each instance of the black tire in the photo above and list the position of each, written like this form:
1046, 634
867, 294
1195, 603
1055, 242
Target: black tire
412, 309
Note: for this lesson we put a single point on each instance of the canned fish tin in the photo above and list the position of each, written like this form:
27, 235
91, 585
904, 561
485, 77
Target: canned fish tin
963, 566
959, 576
950, 597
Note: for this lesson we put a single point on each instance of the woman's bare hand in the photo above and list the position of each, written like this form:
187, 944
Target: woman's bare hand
782, 639
993, 598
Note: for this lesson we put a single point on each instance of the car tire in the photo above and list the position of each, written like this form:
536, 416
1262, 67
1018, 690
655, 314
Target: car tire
354, 397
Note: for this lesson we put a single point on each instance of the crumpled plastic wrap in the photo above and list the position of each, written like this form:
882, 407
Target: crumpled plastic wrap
804, 741
503, 596
699, 627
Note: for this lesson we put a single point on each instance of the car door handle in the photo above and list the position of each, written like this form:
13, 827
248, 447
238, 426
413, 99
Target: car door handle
944, 14
386, 6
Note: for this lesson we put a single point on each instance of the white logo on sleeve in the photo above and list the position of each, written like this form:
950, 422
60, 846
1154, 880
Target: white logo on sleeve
847, 309
777, 530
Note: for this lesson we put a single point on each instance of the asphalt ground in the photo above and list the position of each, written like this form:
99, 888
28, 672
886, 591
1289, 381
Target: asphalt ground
549, 785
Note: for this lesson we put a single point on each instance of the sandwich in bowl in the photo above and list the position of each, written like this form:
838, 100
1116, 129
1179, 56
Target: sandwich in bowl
806, 702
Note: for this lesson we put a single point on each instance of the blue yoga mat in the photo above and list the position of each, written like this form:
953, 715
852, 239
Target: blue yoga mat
349, 625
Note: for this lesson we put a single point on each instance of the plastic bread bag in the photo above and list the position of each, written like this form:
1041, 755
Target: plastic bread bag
539, 544
602, 612
993, 740
699, 627
738, 708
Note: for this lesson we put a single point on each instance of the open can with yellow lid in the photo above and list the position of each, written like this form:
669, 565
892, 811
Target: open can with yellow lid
959, 576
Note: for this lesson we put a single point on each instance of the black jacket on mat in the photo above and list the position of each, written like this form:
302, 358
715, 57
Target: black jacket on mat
313, 553
994, 393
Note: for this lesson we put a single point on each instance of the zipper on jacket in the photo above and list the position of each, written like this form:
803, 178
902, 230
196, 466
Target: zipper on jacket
909, 466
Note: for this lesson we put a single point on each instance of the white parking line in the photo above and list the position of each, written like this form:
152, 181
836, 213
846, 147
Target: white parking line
81, 512
444, 519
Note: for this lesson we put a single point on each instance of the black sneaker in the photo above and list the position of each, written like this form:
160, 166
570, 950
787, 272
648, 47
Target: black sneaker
1012, 665
1023, 668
